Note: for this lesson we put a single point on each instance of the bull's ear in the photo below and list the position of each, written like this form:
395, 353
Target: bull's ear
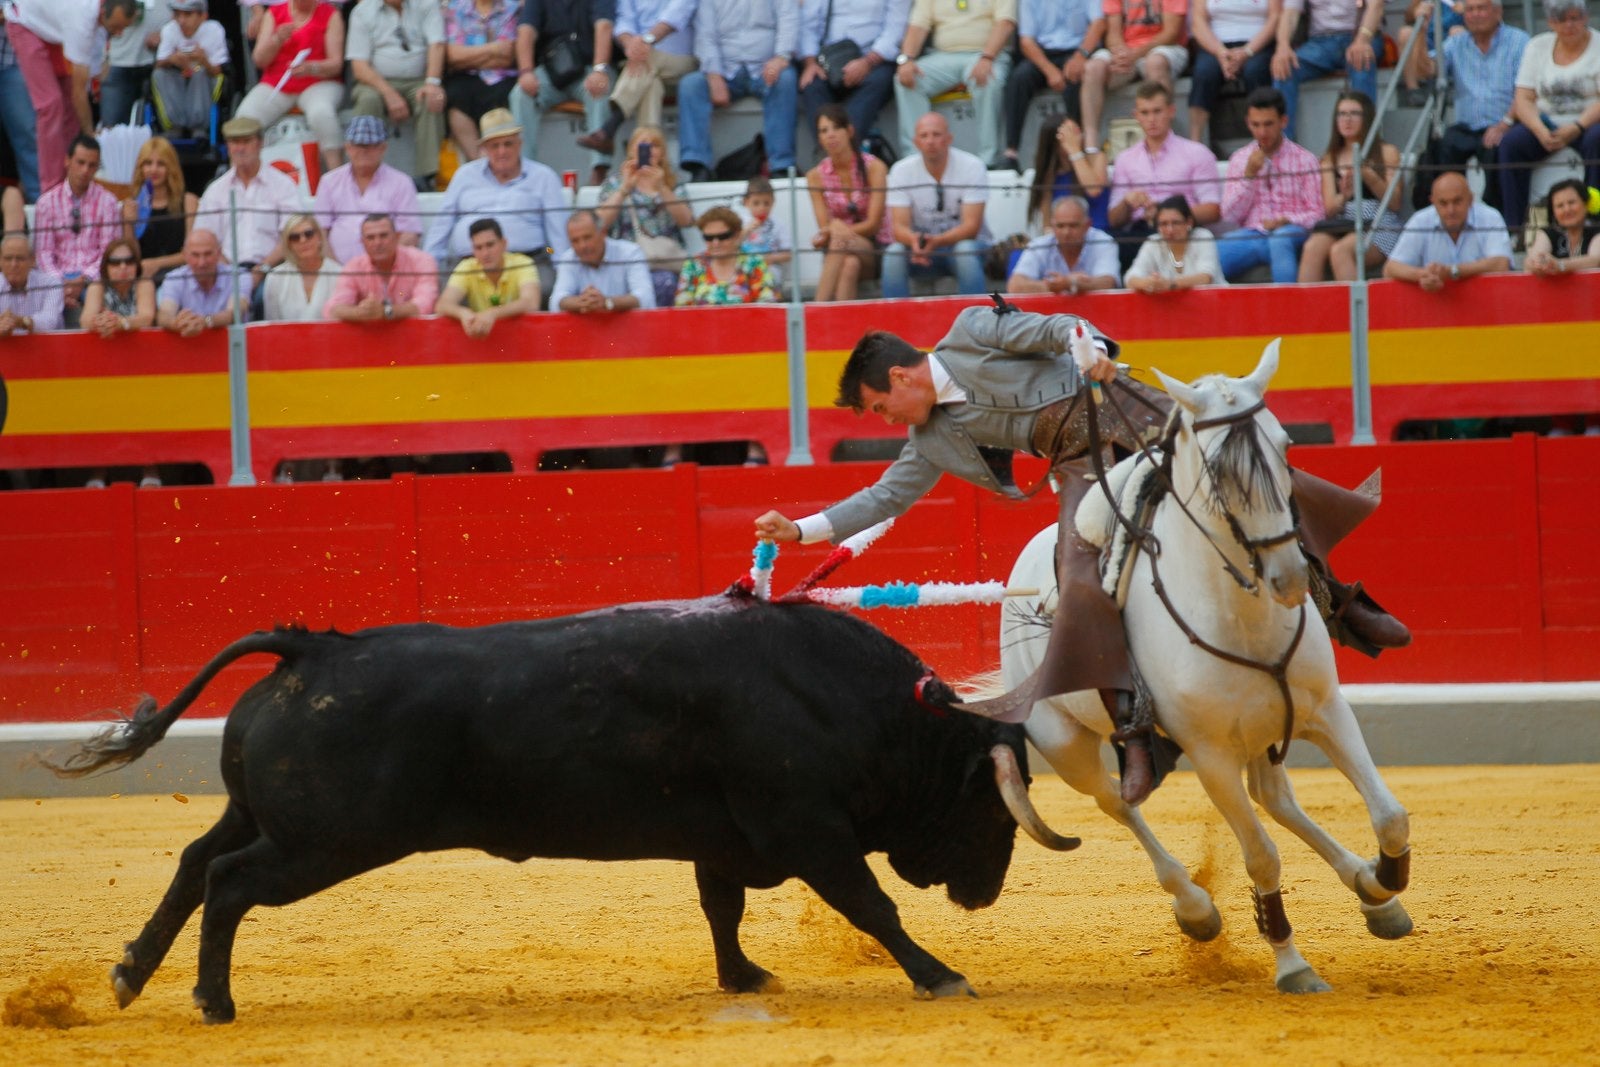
1266, 368
1179, 391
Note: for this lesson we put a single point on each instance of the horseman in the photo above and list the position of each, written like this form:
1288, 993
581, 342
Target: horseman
1000, 382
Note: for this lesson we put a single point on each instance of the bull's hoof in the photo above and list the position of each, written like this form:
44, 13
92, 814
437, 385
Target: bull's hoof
123, 987
754, 980
954, 987
1205, 929
1388, 920
1304, 980
214, 1016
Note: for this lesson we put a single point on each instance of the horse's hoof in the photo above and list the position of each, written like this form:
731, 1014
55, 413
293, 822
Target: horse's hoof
126, 993
1205, 929
1304, 980
955, 987
1388, 920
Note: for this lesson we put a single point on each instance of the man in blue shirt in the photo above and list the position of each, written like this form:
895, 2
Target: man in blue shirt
745, 48
1482, 67
598, 273
1055, 38
863, 84
525, 197
200, 295
1451, 241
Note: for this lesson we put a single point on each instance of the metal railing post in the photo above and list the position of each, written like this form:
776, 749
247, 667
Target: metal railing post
238, 366
795, 333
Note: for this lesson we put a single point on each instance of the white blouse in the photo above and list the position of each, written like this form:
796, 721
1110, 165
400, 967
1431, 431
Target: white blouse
1155, 259
284, 293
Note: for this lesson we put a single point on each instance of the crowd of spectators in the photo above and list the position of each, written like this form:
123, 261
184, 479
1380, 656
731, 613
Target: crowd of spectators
503, 239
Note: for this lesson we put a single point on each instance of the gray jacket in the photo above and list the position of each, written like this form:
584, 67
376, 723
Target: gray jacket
1011, 367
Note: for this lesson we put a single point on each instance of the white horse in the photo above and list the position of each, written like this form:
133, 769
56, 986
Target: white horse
1230, 473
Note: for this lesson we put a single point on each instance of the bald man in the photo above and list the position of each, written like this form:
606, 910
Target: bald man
199, 295
1451, 241
936, 201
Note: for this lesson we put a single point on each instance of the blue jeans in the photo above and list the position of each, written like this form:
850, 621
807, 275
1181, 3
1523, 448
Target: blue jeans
16, 115
779, 103
864, 102
1321, 56
529, 112
1242, 249
964, 260
120, 87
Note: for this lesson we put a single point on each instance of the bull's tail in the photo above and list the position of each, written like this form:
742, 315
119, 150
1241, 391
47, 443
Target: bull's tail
130, 737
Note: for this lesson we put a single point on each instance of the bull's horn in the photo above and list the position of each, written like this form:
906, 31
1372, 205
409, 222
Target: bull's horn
1012, 790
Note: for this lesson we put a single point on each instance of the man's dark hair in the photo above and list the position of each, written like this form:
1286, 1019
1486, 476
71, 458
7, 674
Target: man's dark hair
1267, 97
480, 225
869, 365
1149, 90
83, 140
132, 8
378, 216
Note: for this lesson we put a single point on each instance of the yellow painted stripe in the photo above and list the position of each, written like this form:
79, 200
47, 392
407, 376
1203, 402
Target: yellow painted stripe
118, 404
1559, 351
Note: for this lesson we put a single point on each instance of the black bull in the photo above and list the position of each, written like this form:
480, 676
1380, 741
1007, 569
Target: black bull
759, 742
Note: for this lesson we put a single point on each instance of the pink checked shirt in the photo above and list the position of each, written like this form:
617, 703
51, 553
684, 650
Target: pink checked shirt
415, 279
62, 252
1288, 186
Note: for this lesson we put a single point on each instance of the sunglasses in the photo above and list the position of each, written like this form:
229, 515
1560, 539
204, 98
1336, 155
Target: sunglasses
725, 235
938, 192
121, 261
405, 45
302, 235
77, 220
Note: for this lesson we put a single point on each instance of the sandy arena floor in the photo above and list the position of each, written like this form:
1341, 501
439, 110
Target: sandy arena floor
460, 958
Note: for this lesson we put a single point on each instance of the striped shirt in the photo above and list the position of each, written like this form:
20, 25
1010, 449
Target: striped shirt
40, 301
1484, 84
70, 235
1288, 186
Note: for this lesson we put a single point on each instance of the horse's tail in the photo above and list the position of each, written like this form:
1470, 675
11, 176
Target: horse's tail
130, 737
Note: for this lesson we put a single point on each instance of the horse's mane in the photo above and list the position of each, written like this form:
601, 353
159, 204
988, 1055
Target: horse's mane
1241, 462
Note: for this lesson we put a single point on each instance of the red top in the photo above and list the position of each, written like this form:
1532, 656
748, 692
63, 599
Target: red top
313, 35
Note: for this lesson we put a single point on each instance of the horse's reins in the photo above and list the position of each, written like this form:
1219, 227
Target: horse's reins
1147, 542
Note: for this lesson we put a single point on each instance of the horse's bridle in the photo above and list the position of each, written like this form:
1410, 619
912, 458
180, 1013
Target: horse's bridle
1252, 545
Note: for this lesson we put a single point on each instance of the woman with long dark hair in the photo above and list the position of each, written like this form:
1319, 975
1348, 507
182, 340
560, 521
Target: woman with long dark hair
1065, 166
1333, 241
848, 190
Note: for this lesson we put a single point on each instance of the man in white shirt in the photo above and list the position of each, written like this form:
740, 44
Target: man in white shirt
599, 274
936, 202
61, 101
1072, 258
264, 198
1451, 241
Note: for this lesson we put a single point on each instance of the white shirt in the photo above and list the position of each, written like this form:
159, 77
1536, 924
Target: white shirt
265, 204
127, 47
209, 37
284, 293
622, 271
1561, 92
72, 24
1199, 257
965, 181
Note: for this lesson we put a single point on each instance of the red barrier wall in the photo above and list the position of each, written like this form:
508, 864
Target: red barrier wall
1486, 548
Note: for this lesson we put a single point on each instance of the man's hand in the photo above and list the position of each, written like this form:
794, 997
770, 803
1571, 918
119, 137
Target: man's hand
982, 71
597, 84
1072, 69
528, 82
1104, 370
811, 70
1123, 59
718, 87
369, 309
1359, 55
773, 69
10, 322
396, 106
477, 325
638, 53
856, 71
1254, 162
773, 526
1494, 135
1284, 63
907, 74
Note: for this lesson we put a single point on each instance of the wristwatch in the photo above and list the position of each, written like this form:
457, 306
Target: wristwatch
648, 38
1455, 273
600, 68
611, 305
901, 60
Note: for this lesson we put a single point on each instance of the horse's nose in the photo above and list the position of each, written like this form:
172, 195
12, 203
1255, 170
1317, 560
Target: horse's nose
1288, 589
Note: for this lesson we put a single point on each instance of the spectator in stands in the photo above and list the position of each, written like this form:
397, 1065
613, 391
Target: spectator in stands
1144, 39
17, 119
1557, 104
971, 47
1571, 241
761, 231
480, 53
936, 199
489, 285
1482, 67
129, 64
525, 196
848, 196
1073, 258
860, 39
160, 211
1056, 38
300, 54
578, 35
1451, 241
1064, 166
205, 293
597, 273
1343, 37
58, 49
118, 300
397, 61
1156, 167
73, 223
387, 281
1179, 255
745, 48
657, 39
30, 299
644, 202
264, 197
1233, 42
1420, 65
1333, 240
366, 186
299, 288
1272, 193
722, 274
190, 56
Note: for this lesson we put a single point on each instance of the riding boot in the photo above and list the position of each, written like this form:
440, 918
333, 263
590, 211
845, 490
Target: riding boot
1138, 769
1356, 620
